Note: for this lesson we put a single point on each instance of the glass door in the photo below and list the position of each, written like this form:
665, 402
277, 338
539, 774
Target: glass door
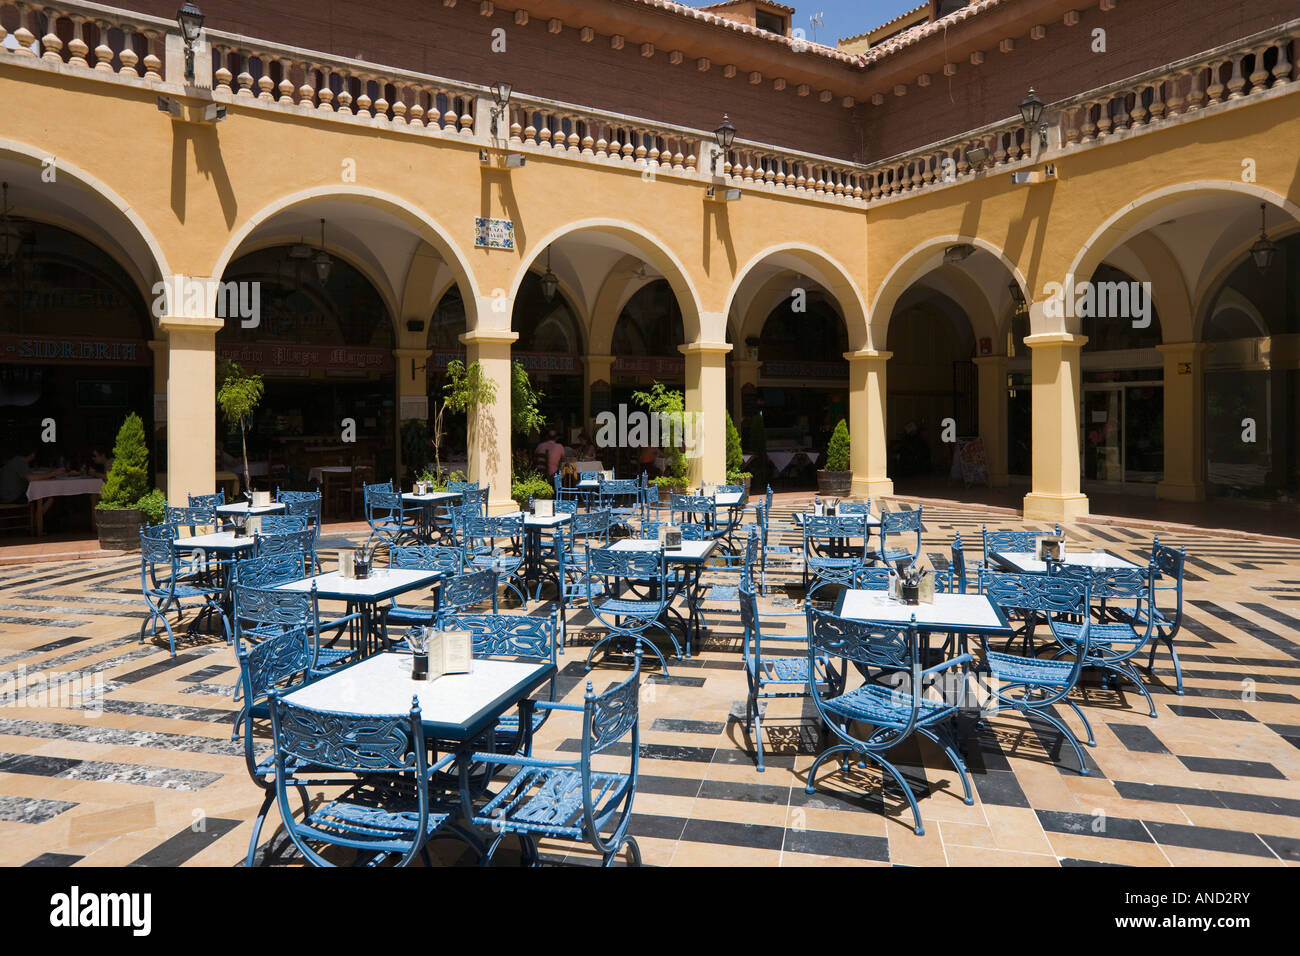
1103, 428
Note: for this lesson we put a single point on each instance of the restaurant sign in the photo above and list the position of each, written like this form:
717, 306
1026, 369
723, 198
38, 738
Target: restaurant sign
656, 366
271, 357
72, 350
538, 363
805, 370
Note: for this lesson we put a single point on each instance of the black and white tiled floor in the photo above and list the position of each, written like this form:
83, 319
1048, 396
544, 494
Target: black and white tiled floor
151, 777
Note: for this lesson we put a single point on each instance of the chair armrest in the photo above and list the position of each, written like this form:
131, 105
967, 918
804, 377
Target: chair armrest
516, 760
946, 665
444, 763
556, 705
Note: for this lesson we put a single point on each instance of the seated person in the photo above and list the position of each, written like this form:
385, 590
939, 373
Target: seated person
548, 455
15, 476
100, 463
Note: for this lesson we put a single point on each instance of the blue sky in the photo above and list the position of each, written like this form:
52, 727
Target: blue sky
846, 18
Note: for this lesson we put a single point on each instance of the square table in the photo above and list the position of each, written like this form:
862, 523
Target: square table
454, 707
956, 613
691, 558
248, 508
427, 504
364, 594
1024, 562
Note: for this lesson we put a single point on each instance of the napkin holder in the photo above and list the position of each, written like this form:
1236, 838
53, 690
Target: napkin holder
819, 508
261, 499
673, 538
347, 569
607, 475
925, 589
544, 508
709, 491
421, 488
1050, 548
252, 524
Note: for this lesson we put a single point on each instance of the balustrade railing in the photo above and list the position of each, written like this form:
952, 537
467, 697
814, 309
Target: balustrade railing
102, 39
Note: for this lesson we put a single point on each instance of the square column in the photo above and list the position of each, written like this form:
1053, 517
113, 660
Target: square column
191, 406
1055, 394
1184, 422
489, 425
706, 407
868, 438
993, 415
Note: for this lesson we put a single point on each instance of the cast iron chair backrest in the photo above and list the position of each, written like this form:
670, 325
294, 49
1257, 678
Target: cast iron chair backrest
485, 530
1170, 563
208, 501
702, 507
854, 507
157, 550
301, 541
507, 635
262, 611
192, 518
264, 572
607, 566
900, 523
280, 524
1035, 592
842, 528
466, 590
286, 495
278, 660
1013, 540
871, 578
1107, 584
426, 557
304, 509
590, 527
463, 486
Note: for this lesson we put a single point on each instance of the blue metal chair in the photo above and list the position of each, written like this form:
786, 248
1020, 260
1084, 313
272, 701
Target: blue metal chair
1014, 540
168, 586
279, 524
527, 636
625, 613
957, 564
192, 518
282, 660
893, 713
895, 527
573, 543
1029, 684
1113, 640
390, 520
854, 507
693, 509
497, 542
466, 590
265, 572
208, 501
570, 799
763, 515
464, 486
829, 552
301, 542
422, 557
302, 504
1170, 564
621, 497
388, 811
769, 677
262, 612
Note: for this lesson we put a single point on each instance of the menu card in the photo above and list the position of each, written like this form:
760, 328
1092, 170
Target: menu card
450, 652
543, 507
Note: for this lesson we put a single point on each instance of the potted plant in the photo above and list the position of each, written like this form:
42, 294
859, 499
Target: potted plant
238, 396
735, 458
836, 479
528, 485
125, 497
671, 407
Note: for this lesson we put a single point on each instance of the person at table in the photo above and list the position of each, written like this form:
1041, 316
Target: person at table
100, 463
17, 474
548, 455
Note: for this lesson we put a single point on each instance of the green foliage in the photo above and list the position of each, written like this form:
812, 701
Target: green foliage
677, 483
437, 480
154, 506
671, 405
467, 387
415, 445
128, 479
525, 417
736, 474
837, 450
530, 485
238, 396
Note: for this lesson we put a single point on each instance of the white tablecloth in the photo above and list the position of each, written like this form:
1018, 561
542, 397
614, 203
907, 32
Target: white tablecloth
60, 487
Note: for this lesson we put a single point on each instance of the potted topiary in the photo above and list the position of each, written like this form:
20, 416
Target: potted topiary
118, 516
836, 479
735, 458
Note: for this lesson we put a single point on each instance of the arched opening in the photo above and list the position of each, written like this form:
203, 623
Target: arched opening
803, 386
324, 349
550, 347
933, 395
74, 362
1122, 388
645, 346
1252, 383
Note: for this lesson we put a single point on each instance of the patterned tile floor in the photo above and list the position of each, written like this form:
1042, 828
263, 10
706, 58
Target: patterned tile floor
1215, 779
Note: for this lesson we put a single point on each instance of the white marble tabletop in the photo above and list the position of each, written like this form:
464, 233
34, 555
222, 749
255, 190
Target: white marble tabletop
219, 541
379, 584
1026, 563
381, 685
431, 498
245, 508
972, 613
691, 552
